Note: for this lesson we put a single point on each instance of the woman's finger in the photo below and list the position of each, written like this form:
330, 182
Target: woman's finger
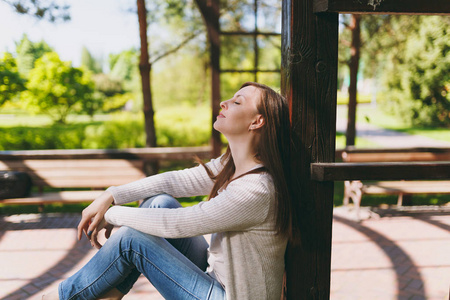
94, 239
82, 227
95, 223
108, 230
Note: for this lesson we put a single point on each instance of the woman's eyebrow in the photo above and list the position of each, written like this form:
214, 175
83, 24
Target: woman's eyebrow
239, 95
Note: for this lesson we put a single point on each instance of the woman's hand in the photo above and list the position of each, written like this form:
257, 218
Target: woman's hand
93, 216
94, 236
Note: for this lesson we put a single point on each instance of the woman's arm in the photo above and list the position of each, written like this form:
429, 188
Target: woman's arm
184, 183
243, 204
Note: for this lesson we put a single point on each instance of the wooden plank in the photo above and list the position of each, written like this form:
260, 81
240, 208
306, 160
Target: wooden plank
309, 81
380, 171
71, 173
83, 182
161, 153
67, 164
407, 187
429, 7
395, 156
66, 196
352, 149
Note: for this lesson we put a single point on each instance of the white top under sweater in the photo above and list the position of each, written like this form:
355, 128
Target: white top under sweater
244, 212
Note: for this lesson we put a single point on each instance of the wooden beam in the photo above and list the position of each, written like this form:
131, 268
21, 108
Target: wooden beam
422, 7
309, 81
323, 172
159, 153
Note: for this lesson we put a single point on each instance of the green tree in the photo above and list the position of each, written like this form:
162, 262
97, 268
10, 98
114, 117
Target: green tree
57, 89
90, 62
28, 52
110, 93
417, 78
124, 65
11, 83
49, 10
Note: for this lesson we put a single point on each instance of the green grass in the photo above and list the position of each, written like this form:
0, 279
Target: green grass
379, 118
30, 120
362, 98
361, 142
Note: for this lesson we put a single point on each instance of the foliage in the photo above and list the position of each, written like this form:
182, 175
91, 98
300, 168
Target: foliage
183, 126
49, 10
11, 83
56, 88
419, 81
182, 80
28, 52
122, 131
89, 62
124, 66
175, 126
409, 58
109, 93
39, 138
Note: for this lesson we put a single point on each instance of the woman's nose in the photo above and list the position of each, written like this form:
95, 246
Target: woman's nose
223, 104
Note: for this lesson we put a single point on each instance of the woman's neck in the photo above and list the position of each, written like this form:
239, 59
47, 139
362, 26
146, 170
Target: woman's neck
243, 157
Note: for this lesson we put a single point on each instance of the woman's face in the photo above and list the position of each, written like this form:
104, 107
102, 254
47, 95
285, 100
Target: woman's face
240, 113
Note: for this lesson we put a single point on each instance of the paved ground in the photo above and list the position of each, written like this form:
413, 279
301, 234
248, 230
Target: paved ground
396, 256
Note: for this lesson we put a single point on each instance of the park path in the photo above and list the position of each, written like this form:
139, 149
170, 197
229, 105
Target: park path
383, 137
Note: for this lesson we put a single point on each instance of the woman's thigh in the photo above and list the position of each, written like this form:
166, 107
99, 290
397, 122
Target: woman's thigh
171, 273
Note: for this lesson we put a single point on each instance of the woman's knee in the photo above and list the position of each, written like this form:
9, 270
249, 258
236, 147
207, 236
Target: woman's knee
127, 238
161, 201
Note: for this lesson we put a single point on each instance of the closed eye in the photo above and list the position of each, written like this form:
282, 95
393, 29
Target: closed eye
237, 103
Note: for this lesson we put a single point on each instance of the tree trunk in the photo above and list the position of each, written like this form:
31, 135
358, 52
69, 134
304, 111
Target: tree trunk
210, 13
353, 88
145, 70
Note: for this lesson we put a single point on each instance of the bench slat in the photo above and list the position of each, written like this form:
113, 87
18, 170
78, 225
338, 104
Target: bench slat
65, 196
84, 182
95, 173
387, 157
76, 163
407, 187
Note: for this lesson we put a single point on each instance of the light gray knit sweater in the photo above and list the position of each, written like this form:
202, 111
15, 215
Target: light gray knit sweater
244, 211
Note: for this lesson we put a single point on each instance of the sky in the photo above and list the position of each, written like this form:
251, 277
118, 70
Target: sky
102, 26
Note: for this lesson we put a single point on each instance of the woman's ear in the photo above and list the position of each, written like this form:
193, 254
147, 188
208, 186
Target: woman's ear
257, 123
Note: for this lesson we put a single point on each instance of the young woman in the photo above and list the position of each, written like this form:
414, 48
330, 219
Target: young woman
249, 215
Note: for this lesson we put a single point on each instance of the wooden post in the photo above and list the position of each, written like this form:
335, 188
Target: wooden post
210, 13
309, 80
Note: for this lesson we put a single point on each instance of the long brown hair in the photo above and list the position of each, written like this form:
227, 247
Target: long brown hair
273, 151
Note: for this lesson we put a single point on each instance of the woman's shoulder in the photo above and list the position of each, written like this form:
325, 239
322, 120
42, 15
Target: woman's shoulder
261, 181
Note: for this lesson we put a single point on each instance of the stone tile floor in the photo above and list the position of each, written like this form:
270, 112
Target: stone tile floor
396, 256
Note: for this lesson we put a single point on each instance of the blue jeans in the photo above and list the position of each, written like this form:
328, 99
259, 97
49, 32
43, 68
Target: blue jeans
175, 267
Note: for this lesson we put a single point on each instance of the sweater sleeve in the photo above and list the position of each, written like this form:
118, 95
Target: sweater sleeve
243, 204
184, 183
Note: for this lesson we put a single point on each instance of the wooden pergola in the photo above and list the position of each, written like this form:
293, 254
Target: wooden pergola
309, 81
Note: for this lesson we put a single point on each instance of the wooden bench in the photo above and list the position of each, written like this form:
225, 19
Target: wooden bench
355, 189
84, 174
